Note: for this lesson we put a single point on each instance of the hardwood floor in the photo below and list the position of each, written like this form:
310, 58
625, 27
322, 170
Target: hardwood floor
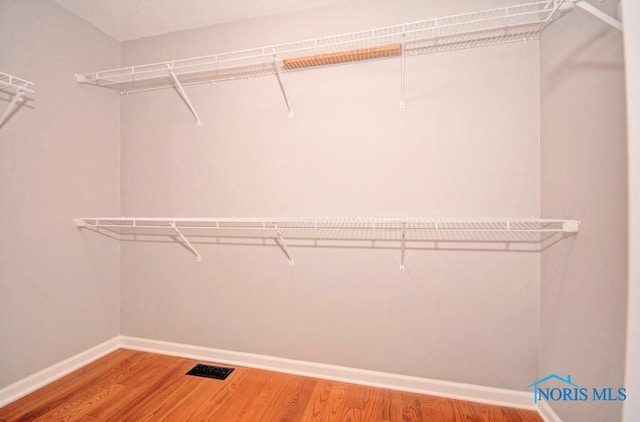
135, 386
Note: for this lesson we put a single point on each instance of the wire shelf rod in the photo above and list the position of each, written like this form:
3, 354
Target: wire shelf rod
325, 219
425, 225
512, 230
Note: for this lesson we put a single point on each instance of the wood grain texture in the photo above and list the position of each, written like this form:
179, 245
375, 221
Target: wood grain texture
135, 386
342, 57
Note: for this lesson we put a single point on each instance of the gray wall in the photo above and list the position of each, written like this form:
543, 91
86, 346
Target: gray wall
59, 159
467, 145
583, 284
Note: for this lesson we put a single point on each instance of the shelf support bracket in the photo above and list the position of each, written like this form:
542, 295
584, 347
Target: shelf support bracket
186, 242
16, 101
278, 66
589, 8
402, 72
403, 248
571, 226
283, 246
178, 86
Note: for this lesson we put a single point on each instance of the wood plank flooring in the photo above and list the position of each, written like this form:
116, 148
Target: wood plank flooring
135, 386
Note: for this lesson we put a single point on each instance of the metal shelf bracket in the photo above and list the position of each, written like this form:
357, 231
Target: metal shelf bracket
21, 88
14, 104
402, 249
178, 87
589, 8
283, 246
278, 66
186, 241
402, 71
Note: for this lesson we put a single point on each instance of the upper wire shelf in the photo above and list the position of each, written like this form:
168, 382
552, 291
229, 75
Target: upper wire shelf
367, 223
485, 27
363, 228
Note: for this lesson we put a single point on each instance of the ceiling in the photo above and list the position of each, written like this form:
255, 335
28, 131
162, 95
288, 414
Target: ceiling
131, 19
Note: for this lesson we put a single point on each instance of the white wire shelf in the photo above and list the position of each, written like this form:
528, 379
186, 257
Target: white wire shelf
480, 28
369, 223
365, 228
18, 87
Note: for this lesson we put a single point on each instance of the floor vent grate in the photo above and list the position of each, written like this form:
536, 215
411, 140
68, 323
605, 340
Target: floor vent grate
210, 371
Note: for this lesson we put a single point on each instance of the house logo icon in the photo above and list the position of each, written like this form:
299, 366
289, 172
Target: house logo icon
548, 393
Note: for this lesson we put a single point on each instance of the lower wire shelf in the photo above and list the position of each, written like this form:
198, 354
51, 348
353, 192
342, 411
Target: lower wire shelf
401, 230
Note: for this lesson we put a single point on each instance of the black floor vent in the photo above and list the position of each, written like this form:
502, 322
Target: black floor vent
210, 371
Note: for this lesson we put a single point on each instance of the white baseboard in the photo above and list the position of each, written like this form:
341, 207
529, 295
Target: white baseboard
46, 376
454, 390
547, 413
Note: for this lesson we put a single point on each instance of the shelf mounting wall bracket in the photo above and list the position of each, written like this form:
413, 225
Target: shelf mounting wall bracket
571, 226
402, 71
283, 246
16, 101
178, 86
278, 67
403, 248
589, 8
20, 86
186, 242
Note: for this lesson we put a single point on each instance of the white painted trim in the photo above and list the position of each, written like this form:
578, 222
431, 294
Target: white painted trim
631, 18
46, 376
547, 413
454, 390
